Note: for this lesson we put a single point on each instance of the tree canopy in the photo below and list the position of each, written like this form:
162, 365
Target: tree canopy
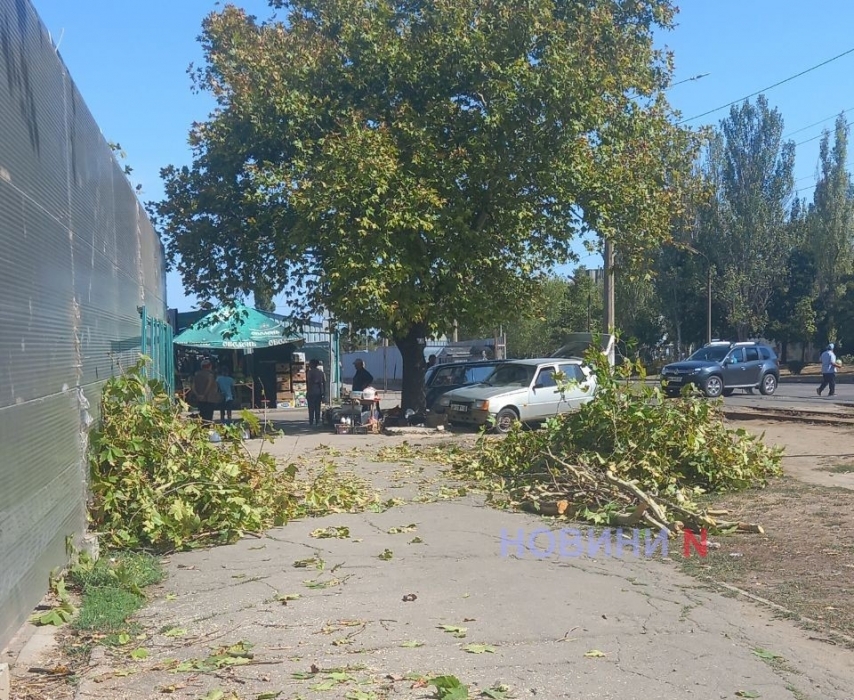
409, 164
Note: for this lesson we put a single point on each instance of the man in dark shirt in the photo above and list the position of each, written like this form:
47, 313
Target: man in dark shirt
362, 379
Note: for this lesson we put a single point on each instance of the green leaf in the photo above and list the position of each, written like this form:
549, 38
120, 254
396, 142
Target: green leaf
449, 688
331, 532
747, 694
411, 644
766, 655
175, 632
479, 649
454, 630
139, 654
594, 654
386, 555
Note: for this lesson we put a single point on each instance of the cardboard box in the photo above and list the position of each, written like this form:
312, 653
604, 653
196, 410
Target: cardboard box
297, 376
283, 386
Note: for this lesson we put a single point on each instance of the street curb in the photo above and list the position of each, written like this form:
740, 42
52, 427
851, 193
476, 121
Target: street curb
833, 634
788, 416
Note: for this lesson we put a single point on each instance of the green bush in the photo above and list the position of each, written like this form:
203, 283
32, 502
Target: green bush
158, 482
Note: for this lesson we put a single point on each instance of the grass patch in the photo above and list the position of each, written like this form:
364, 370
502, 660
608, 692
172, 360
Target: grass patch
112, 590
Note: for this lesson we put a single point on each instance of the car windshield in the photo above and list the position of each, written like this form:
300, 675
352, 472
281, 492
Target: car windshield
508, 375
714, 353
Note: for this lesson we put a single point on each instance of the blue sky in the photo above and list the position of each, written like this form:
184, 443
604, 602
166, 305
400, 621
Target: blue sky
129, 60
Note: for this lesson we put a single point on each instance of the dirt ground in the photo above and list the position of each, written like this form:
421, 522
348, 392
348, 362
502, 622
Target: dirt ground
805, 560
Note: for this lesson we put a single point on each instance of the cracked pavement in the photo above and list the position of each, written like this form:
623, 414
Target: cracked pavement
659, 634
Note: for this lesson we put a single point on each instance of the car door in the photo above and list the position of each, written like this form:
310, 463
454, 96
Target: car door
734, 368
573, 394
752, 365
544, 395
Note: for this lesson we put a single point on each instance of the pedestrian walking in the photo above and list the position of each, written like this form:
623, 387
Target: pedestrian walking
829, 365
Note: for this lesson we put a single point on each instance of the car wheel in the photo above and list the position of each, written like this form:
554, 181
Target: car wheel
768, 385
728, 392
713, 386
504, 420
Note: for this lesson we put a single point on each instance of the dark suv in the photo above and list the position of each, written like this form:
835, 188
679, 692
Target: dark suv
721, 367
441, 379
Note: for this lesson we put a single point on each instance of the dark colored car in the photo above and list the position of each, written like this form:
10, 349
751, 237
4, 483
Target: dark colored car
446, 377
721, 367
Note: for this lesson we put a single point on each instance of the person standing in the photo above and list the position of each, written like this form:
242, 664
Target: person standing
829, 365
431, 361
225, 382
206, 391
315, 391
362, 379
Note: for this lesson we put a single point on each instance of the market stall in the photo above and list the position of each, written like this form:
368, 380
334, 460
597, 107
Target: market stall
255, 344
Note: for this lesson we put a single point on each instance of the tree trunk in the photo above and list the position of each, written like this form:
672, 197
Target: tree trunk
784, 351
414, 365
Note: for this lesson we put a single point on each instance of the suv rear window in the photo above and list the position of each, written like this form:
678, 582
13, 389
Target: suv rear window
752, 354
766, 353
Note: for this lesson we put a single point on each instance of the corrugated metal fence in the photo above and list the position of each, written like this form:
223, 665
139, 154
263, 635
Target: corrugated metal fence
80, 267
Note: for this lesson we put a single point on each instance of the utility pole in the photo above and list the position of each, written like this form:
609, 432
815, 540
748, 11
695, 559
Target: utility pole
709, 300
609, 293
609, 287
456, 332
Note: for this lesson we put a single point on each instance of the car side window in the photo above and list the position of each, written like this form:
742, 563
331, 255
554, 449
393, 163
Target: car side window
736, 355
573, 372
751, 354
765, 352
546, 377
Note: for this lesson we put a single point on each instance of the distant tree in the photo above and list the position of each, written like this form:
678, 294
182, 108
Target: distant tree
792, 314
830, 227
744, 230
406, 165
529, 330
263, 297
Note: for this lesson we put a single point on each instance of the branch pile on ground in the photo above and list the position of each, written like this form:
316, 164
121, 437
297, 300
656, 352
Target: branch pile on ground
630, 457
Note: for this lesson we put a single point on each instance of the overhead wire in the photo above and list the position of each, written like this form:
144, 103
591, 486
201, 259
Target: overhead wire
820, 121
770, 87
818, 136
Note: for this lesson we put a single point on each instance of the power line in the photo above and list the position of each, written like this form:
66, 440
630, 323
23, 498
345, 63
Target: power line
770, 87
818, 136
820, 121
688, 80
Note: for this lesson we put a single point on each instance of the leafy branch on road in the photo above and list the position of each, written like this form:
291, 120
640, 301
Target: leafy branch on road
158, 482
628, 457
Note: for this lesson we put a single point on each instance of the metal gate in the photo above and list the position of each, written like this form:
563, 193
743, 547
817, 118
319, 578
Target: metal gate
156, 344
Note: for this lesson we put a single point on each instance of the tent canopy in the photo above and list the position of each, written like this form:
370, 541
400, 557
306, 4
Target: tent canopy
239, 327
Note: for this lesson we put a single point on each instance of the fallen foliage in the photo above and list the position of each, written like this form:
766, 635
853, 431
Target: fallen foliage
629, 457
158, 482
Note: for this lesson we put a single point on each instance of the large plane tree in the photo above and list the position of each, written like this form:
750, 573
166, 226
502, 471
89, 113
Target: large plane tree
407, 164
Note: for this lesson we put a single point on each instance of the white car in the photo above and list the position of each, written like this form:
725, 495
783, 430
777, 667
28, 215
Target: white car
521, 390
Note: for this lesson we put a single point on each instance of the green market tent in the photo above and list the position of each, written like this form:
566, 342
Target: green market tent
238, 327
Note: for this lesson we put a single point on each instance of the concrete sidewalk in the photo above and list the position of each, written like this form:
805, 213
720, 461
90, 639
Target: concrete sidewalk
548, 628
